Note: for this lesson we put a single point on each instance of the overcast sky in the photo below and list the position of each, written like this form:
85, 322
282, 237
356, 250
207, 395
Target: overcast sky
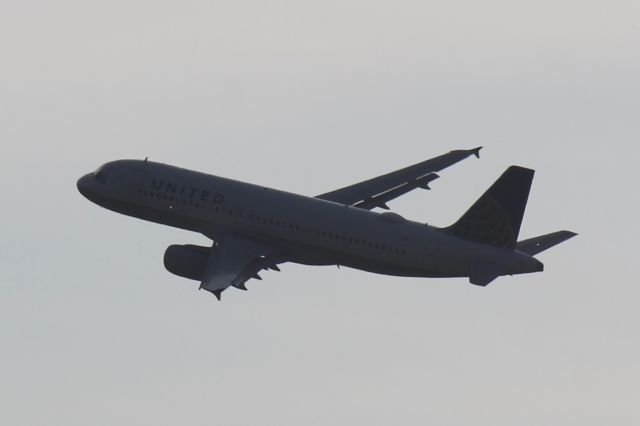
310, 96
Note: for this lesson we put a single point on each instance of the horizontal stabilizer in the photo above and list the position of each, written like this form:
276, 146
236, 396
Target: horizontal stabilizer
536, 245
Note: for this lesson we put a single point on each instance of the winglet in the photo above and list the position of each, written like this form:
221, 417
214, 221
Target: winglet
476, 151
217, 294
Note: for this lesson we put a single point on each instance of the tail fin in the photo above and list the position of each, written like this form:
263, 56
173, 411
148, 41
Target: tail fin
536, 245
496, 217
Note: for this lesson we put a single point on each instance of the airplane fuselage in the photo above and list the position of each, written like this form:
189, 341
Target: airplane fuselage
311, 230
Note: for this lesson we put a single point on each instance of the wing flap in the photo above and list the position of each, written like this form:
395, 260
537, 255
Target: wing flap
234, 260
382, 199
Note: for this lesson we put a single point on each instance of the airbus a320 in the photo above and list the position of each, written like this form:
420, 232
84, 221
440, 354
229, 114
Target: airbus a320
254, 228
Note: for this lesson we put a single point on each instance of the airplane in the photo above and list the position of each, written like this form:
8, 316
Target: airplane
255, 228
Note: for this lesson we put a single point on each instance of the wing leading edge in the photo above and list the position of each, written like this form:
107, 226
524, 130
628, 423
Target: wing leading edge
376, 192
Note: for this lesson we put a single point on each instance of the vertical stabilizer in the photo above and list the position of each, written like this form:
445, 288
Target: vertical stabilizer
496, 217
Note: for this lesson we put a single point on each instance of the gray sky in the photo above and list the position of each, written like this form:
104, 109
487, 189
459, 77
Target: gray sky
309, 96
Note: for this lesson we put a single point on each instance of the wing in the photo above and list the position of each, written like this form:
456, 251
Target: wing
377, 191
234, 260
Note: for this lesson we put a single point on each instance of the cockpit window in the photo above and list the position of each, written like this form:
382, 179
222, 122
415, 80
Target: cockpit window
100, 175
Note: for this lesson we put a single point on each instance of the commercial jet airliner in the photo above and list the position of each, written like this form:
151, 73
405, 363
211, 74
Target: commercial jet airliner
255, 228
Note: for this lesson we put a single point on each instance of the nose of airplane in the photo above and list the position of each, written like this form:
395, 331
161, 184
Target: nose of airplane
83, 184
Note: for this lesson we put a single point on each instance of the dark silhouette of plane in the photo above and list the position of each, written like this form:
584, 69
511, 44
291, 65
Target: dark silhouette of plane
255, 228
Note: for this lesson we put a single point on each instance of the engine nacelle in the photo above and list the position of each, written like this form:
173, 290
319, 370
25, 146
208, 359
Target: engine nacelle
187, 261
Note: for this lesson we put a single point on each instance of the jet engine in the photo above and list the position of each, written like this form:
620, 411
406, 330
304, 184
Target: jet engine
187, 261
